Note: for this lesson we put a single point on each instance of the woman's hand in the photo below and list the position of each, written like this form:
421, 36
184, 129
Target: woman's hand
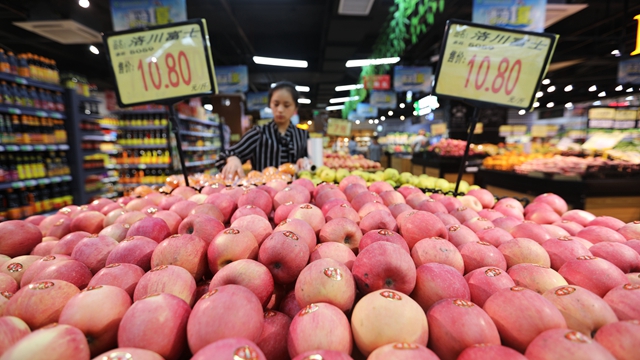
301, 163
232, 168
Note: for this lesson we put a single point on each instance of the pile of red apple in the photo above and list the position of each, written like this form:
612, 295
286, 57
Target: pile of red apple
454, 148
347, 272
349, 162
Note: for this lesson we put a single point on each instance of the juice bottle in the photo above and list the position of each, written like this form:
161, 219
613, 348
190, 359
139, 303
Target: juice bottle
23, 66
33, 94
4, 62
13, 63
28, 99
17, 95
7, 95
14, 210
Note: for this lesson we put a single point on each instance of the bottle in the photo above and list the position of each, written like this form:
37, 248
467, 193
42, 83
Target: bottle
13, 63
3, 206
23, 66
13, 169
55, 72
7, 95
14, 210
4, 134
17, 95
4, 62
45, 196
33, 94
17, 129
59, 101
28, 99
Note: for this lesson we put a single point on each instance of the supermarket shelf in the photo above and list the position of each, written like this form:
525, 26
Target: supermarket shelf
194, 133
138, 184
30, 82
34, 182
95, 171
15, 148
109, 127
134, 128
110, 179
94, 193
111, 152
98, 138
144, 146
91, 116
91, 152
143, 166
196, 120
90, 99
200, 148
199, 163
140, 112
110, 195
19, 110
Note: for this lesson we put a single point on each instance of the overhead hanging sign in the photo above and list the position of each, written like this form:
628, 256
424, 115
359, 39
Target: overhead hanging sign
492, 65
412, 78
383, 99
528, 15
629, 71
339, 127
133, 14
161, 64
377, 82
366, 110
232, 79
257, 101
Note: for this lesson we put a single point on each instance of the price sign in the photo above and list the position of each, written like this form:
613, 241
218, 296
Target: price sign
518, 130
505, 130
479, 128
602, 113
339, 127
603, 141
438, 129
163, 63
626, 115
493, 65
539, 130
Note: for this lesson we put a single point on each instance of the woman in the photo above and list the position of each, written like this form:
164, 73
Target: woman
273, 144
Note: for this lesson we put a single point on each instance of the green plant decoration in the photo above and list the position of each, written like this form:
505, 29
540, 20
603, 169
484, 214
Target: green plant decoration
407, 21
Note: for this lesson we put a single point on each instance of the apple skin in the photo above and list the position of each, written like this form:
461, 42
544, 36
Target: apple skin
326, 281
18, 237
566, 344
230, 245
387, 235
224, 203
7, 283
135, 250
186, 251
300, 228
447, 220
618, 254
400, 351
39, 304
397, 209
319, 326
386, 316
18, 266
117, 232
114, 215
168, 201
172, 219
630, 230
154, 228
620, 338
521, 314
341, 230
495, 236
432, 206
592, 273
555, 231
284, 255
89, 221
37, 266
166, 314
230, 348
248, 273
417, 225
232, 305
204, 226
624, 301
455, 324
481, 254
461, 234
484, 196
69, 210
138, 354
127, 217
100, 327
378, 219
606, 221
365, 197
289, 305
563, 249
343, 211
435, 282
634, 278
44, 248
524, 250
309, 213
56, 341
596, 234
139, 204
495, 352
450, 203
93, 251
248, 210
384, 265
66, 244
273, 340
46, 224
486, 281
168, 279
61, 228
328, 195
415, 199
305, 183
292, 193
184, 191
125, 276
71, 271
580, 216
282, 212
437, 250
478, 224
351, 179
372, 206
335, 251
536, 277
390, 197
258, 226
212, 189
12, 329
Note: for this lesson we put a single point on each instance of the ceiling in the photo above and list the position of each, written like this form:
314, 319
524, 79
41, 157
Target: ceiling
313, 30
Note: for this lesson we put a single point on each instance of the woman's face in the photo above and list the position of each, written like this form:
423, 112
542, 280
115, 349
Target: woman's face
283, 106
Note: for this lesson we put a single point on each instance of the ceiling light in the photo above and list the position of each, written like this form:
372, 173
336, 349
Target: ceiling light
536, 104
593, 88
597, 102
546, 82
334, 107
279, 62
568, 105
401, 117
568, 88
522, 112
94, 50
376, 121
550, 105
383, 118
401, 105
415, 113
390, 113
630, 89
615, 53
619, 88
551, 89
539, 94
629, 98
357, 122
84, 3
208, 107
309, 122
602, 94
304, 101
367, 62
370, 121
349, 87
343, 99
303, 88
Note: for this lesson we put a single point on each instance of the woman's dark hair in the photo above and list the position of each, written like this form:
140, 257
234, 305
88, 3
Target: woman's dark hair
286, 85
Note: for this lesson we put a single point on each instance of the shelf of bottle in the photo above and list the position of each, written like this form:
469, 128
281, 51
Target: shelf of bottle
200, 148
29, 148
195, 133
111, 179
138, 128
163, 146
19, 110
30, 82
34, 182
94, 193
139, 112
98, 138
110, 195
142, 166
89, 99
199, 163
197, 121
91, 152
139, 184
96, 171
108, 127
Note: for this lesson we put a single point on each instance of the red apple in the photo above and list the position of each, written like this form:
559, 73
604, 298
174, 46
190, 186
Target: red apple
630, 230
506, 223
624, 301
341, 230
390, 197
335, 251
437, 250
205, 227
129, 217
273, 340
530, 230
343, 211
168, 201
289, 305
384, 265
292, 193
490, 214
481, 254
172, 219
336, 194
309, 213
37, 266
55, 341
135, 250
114, 215
258, 226
71, 271
495, 236
247, 210
606, 221
248, 273
351, 179
302, 229
563, 249
168, 279
18, 237
596, 234
592, 273
416, 198
8, 284
555, 231
230, 348
139, 204
435, 282
536, 277
305, 183
555, 202
450, 203
486, 281
333, 202
569, 226
372, 206
184, 191
12, 329
117, 232
618, 254
382, 235
417, 225
408, 190
186, 251
494, 352
620, 338
326, 281
44, 248
523, 250
478, 224
153, 228
282, 212
565, 344
18, 266
61, 228
231, 245
484, 196
461, 234
285, 256
93, 251
580, 216
48, 222
124, 276
319, 326
68, 242
447, 220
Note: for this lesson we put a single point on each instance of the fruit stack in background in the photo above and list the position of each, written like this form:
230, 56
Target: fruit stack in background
334, 271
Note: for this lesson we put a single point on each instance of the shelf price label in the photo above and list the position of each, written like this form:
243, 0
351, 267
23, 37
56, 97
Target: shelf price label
161, 64
493, 65
339, 127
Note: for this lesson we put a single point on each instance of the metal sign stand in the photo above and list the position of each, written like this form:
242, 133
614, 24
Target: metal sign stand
175, 129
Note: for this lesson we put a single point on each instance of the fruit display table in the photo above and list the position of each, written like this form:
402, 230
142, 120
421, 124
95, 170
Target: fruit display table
618, 197
445, 167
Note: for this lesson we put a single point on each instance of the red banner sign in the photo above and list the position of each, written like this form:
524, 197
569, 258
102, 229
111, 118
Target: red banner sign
377, 82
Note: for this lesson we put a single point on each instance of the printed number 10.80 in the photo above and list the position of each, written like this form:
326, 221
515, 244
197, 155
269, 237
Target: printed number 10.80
506, 73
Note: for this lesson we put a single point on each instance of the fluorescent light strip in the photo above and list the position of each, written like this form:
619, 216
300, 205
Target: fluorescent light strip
334, 107
367, 62
303, 88
343, 99
280, 62
349, 87
304, 101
